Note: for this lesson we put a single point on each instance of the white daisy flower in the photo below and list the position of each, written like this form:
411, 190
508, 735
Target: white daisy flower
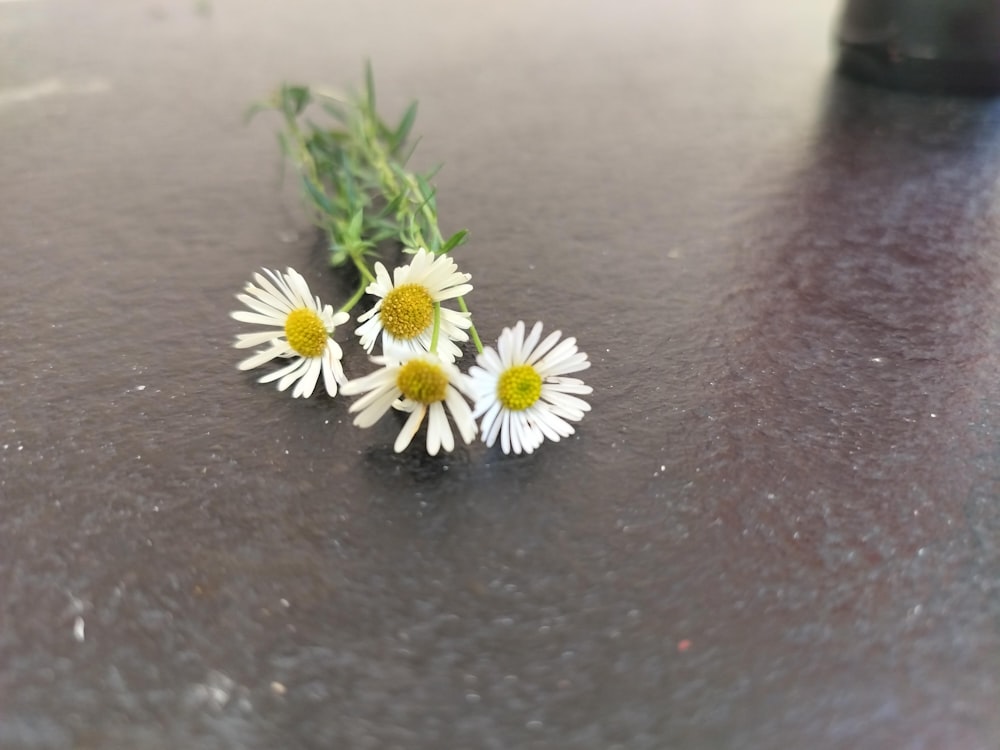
520, 390
404, 314
426, 384
301, 329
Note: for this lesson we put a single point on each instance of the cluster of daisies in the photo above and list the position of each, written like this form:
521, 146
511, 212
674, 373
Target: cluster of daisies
519, 391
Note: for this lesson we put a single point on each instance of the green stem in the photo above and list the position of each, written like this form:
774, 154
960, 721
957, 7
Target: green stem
306, 163
366, 274
355, 298
472, 326
425, 208
437, 327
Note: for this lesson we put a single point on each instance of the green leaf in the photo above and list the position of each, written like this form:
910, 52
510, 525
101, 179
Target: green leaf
319, 197
402, 131
383, 235
455, 240
347, 184
370, 86
335, 110
354, 228
433, 173
427, 192
393, 206
405, 157
256, 108
383, 131
338, 254
294, 99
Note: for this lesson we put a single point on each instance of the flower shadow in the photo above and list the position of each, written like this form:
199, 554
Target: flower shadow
414, 464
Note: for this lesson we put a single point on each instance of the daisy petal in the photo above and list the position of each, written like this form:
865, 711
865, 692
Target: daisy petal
520, 394
261, 357
301, 367
421, 384
272, 303
262, 320
249, 340
409, 429
438, 277
307, 384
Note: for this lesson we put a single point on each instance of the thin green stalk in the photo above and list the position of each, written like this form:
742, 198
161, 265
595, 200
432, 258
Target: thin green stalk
437, 328
363, 269
472, 326
355, 298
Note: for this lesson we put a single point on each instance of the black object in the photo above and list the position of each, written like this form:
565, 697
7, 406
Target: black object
946, 46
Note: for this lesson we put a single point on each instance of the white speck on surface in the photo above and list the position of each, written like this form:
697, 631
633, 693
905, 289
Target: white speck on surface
278, 689
472, 698
140, 387
284, 603
215, 692
933, 415
78, 629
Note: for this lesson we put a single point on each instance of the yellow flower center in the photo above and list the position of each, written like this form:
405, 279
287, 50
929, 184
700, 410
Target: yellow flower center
518, 387
407, 310
305, 332
422, 381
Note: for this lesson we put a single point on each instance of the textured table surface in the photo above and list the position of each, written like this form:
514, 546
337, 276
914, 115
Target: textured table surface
778, 528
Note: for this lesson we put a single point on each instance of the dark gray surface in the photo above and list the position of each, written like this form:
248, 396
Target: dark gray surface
786, 283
